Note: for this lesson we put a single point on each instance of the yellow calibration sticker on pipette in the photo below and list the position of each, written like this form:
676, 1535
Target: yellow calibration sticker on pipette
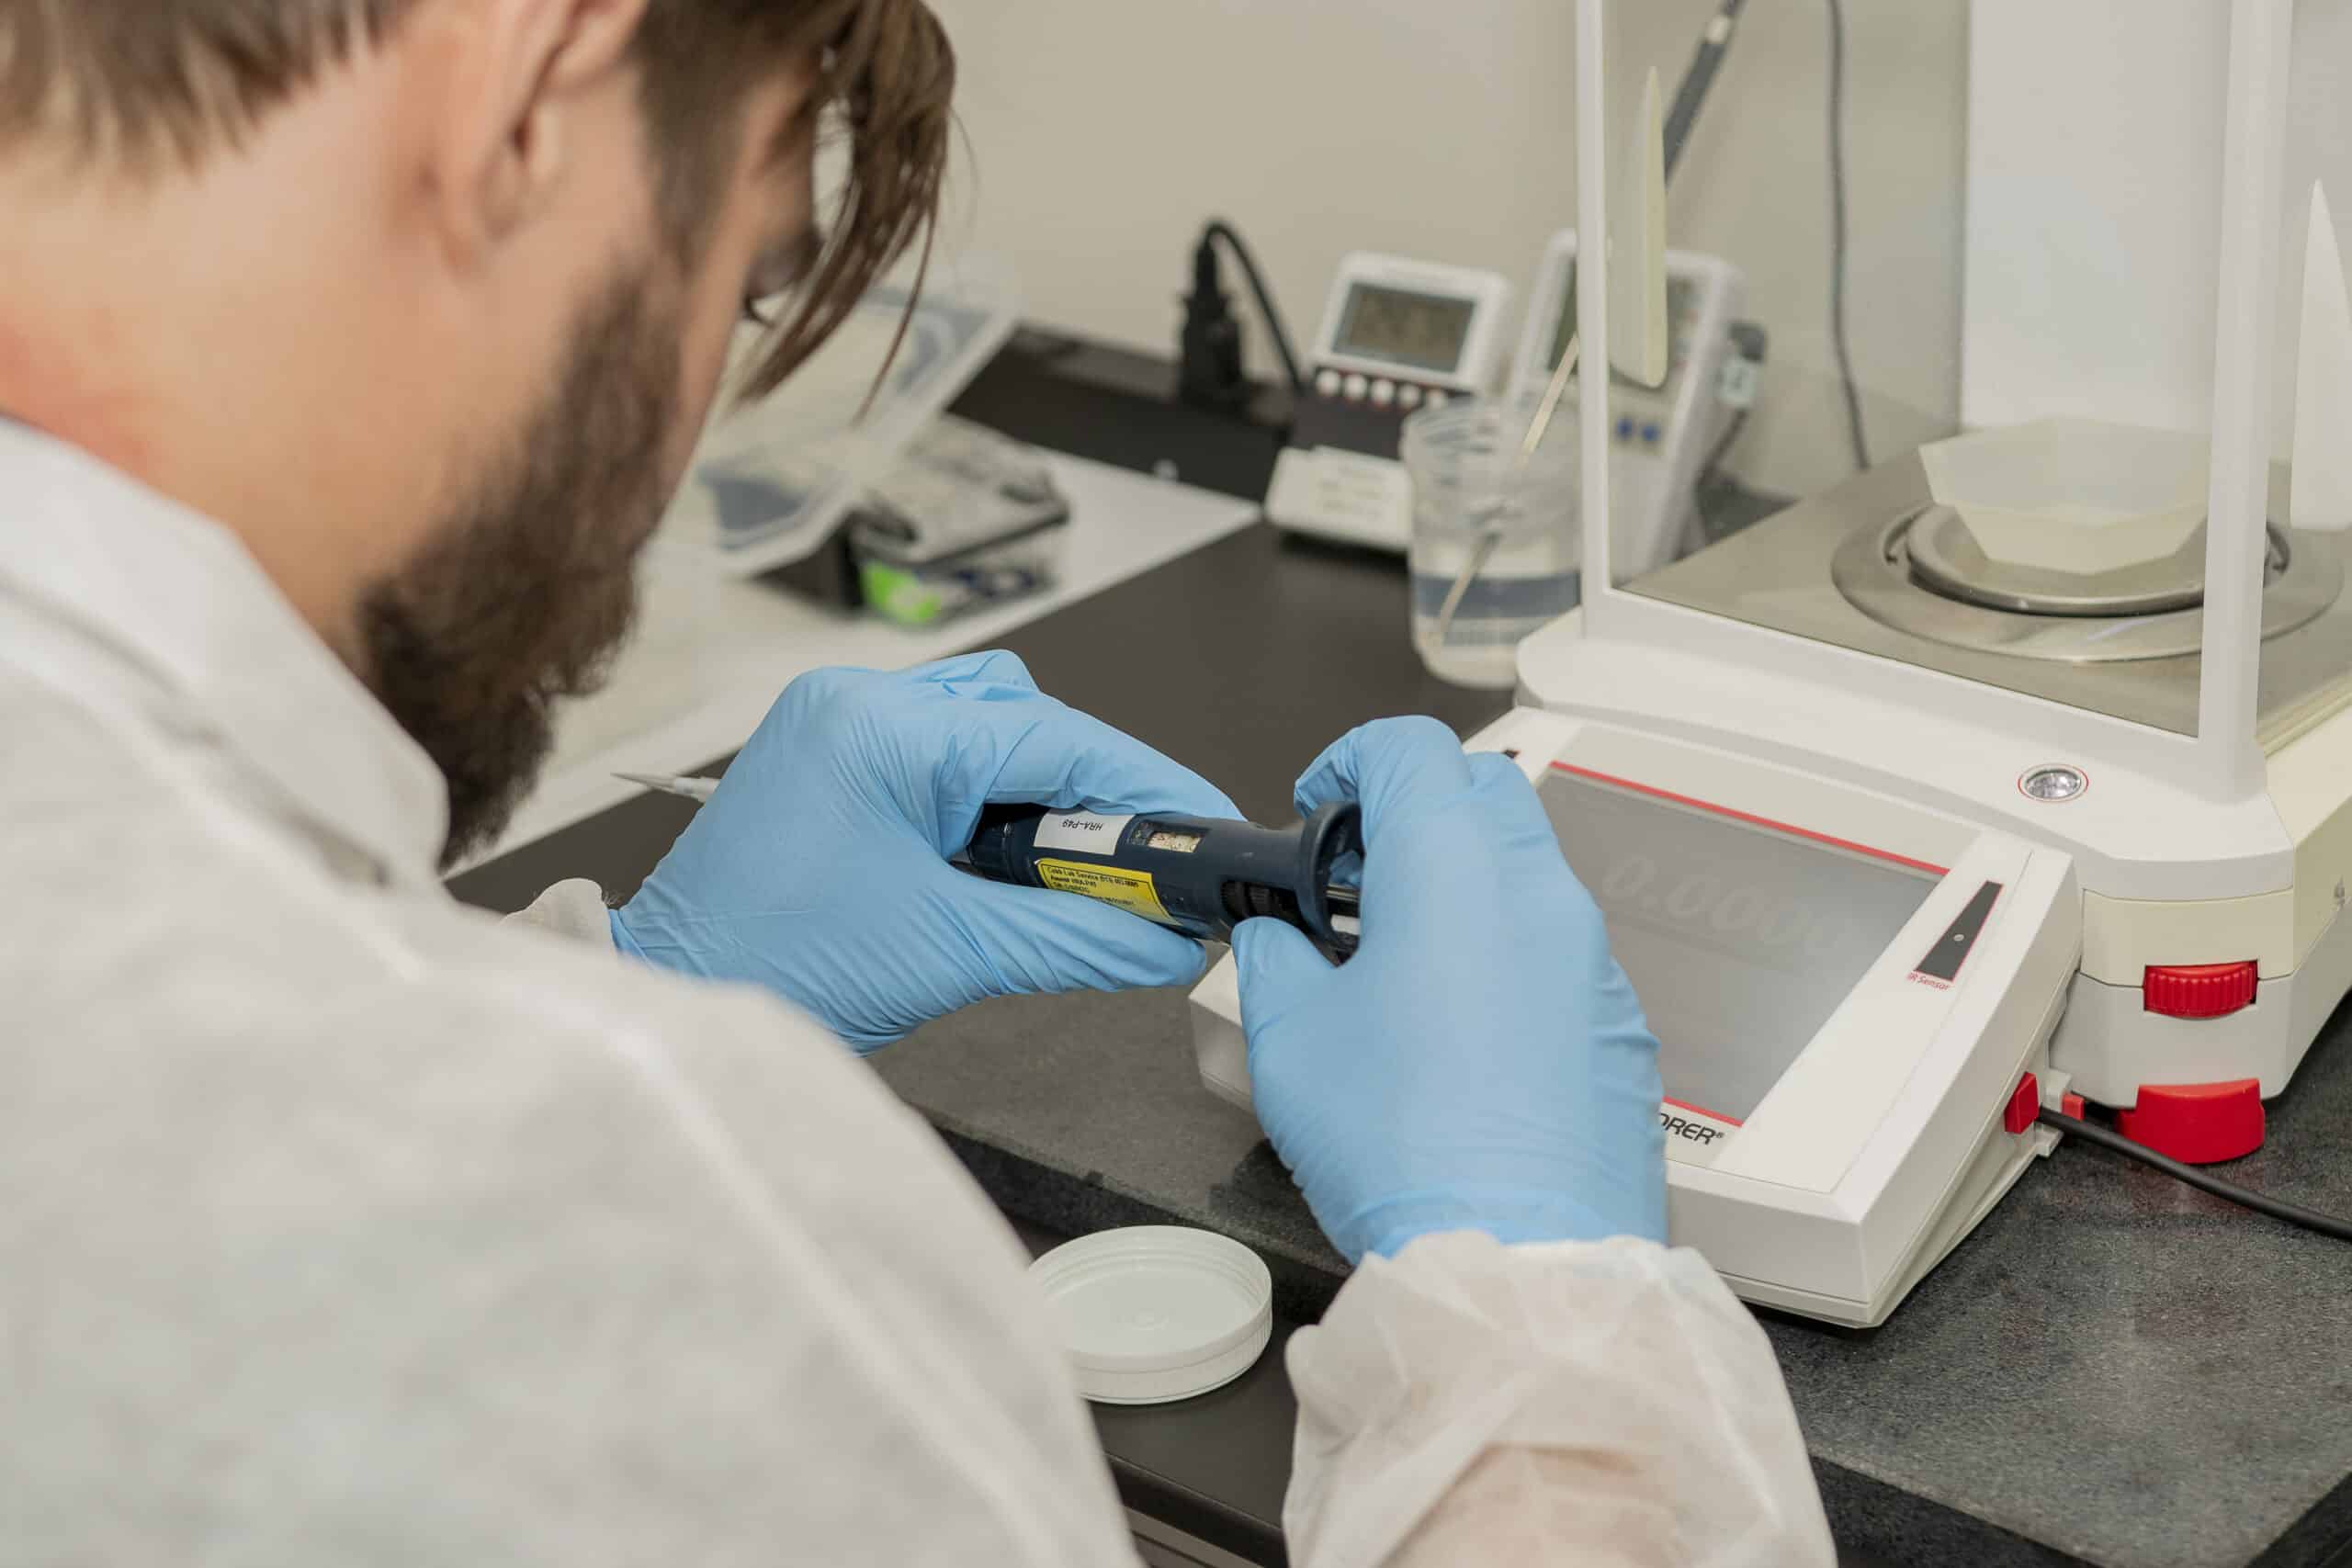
1130, 890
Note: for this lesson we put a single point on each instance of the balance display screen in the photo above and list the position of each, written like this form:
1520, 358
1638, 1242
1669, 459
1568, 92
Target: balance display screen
1424, 331
1739, 941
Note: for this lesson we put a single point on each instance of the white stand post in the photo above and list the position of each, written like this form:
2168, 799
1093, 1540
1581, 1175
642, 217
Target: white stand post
1592, 300
2230, 759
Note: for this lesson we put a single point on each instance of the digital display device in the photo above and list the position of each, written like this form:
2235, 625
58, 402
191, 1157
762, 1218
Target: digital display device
1740, 940
1678, 308
1398, 326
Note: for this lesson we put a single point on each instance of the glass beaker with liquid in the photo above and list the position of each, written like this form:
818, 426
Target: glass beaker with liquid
1495, 552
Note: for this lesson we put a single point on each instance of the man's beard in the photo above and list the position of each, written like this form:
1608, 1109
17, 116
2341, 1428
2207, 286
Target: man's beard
528, 586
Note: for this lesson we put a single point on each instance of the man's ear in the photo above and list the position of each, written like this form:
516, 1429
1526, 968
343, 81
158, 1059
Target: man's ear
506, 76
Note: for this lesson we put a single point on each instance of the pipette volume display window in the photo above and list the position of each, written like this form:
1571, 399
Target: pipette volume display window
1422, 332
1739, 941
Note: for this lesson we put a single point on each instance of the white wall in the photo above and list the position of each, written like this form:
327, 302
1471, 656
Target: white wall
1102, 132
2102, 305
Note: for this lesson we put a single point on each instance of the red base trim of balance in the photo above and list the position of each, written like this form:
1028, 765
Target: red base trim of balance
2198, 1124
2024, 1106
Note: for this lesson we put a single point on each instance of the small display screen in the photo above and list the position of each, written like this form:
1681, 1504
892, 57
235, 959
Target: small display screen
1739, 941
1422, 332
1677, 308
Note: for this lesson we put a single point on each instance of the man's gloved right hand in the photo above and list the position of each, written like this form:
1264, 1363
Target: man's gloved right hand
1481, 1064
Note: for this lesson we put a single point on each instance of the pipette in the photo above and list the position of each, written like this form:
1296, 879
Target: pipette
1201, 875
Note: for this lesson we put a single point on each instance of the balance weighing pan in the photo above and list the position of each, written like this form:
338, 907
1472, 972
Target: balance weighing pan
1881, 565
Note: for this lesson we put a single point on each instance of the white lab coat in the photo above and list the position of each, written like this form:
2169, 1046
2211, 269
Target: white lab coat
340, 1224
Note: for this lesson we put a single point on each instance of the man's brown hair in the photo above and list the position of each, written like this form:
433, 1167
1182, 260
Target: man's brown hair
141, 81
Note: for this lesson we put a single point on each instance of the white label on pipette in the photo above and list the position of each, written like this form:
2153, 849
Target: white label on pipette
1082, 830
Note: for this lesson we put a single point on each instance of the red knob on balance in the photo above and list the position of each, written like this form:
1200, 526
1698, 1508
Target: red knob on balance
2198, 990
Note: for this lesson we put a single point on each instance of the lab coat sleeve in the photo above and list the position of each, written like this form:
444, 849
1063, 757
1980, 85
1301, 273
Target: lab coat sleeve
573, 908
1612, 1402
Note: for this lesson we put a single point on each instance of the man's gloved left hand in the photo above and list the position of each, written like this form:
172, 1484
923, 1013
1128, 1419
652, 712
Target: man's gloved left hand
820, 868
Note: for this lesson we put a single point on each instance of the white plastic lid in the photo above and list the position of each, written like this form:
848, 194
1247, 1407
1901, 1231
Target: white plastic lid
1156, 1312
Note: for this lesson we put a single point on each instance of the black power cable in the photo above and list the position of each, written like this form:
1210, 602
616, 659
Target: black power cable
1712, 466
1838, 232
2277, 1208
1210, 360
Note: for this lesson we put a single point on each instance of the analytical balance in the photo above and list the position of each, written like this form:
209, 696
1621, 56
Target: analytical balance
2014, 773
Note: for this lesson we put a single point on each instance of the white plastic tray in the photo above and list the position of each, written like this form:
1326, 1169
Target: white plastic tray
771, 478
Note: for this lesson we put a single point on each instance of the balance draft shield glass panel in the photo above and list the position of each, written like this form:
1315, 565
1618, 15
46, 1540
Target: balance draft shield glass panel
2008, 291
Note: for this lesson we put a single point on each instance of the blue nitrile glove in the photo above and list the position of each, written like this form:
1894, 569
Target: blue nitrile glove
1481, 1064
820, 868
